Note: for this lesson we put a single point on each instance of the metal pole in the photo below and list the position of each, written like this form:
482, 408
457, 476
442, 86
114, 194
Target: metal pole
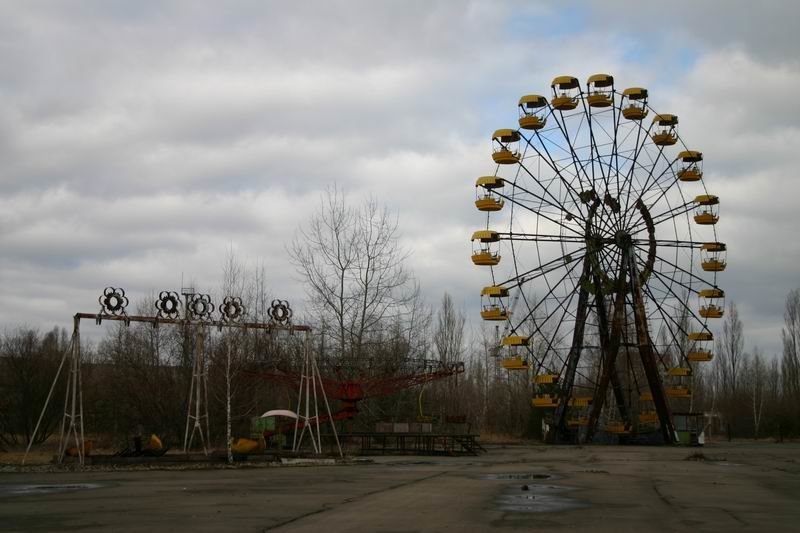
314, 378
188, 413
330, 416
46, 403
82, 444
299, 437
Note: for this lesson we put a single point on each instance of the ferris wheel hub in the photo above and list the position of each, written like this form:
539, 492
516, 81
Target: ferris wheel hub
622, 239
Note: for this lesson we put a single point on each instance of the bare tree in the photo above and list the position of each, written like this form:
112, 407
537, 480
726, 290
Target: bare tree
758, 386
354, 268
449, 334
790, 366
233, 285
790, 335
730, 349
449, 341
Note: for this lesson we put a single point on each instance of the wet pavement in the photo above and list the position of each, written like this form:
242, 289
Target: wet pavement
750, 486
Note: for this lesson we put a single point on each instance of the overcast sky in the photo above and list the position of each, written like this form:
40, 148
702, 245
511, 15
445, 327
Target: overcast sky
139, 141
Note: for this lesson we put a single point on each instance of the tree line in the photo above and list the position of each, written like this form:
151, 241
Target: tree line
368, 318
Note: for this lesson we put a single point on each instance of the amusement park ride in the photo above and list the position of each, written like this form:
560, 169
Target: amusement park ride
596, 224
350, 391
195, 313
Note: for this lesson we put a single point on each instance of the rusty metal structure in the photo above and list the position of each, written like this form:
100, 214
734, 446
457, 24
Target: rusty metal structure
198, 314
354, 382
601, 243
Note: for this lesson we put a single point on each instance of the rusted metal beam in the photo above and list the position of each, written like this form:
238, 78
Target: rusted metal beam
610, 354
155, 321
605, 347
647, 353
560, 417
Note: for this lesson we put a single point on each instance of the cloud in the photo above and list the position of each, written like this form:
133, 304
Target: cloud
142, 141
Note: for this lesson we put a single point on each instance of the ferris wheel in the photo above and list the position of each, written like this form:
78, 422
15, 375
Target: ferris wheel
600, 230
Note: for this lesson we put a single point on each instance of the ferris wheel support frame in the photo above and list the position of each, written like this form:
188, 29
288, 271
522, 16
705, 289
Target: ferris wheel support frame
573, 357
647, 354
610, 355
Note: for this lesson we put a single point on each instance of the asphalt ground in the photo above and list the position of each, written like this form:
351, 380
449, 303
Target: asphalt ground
740, 486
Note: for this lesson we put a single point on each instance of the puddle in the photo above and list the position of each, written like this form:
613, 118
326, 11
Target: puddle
32, 490
537, 499
518, 477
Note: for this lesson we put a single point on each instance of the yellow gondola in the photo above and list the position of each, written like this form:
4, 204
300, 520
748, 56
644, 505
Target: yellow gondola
546, 379
515, 340
515, 343
666, 130
514, 363
545, 401
601, 90
700, 336
678, 392
678, 388
494, 311
505, 152
617, 428
706, 214
580, 401
637, 103
691, 169
488, 201
565, 93
647, 413
712, 310
712, 256
700, 355
484, 256
531, 112
713, 292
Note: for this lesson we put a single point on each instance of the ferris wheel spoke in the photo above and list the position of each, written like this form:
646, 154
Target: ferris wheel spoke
640, 144
541, 237
574, 156
679, 268
594, 152
551, 290
661, 278
666, 216
667, 318
614, 159
552, 164
555, 339
644, 188
664, 191
557, 205
550, 266
670, 243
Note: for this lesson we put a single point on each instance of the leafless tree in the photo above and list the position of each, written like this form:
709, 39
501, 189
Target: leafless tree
790, 335
449, 341
449, 334
354, 269
757, 378
730, 350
